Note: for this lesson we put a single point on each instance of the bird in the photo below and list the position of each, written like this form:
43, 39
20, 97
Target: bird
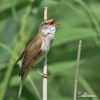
37, 49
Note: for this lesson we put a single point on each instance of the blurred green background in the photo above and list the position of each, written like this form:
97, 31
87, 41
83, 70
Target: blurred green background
79, 19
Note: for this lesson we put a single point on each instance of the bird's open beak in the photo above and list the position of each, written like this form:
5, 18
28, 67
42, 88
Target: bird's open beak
52, 22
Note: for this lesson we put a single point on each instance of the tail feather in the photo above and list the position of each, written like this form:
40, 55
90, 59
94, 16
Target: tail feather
20, 88
23, 77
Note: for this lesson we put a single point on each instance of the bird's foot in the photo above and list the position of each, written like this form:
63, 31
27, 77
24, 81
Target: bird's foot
45, 75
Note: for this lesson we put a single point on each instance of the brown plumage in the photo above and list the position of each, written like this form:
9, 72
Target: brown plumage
37, 49
29, 56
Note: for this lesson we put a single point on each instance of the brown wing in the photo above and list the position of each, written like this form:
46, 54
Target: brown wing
20, 57
31, 53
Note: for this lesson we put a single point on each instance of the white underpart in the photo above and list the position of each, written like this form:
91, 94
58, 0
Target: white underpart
51, 30
48, 39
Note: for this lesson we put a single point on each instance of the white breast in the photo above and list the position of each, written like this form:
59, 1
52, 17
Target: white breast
47, 41
45, 49
46, 44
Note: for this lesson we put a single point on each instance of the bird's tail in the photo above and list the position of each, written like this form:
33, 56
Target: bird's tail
23, 77
20, 88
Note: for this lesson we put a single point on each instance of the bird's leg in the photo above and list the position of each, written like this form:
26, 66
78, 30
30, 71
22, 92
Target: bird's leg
43, 75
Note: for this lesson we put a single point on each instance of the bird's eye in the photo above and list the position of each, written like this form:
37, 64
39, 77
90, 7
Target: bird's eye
48, 33
45, 23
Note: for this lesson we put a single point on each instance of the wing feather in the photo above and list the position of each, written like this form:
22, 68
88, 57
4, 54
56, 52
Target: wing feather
20, 57
31, 53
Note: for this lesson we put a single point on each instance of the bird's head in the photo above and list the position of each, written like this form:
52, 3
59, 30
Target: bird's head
48, 23
48, 28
